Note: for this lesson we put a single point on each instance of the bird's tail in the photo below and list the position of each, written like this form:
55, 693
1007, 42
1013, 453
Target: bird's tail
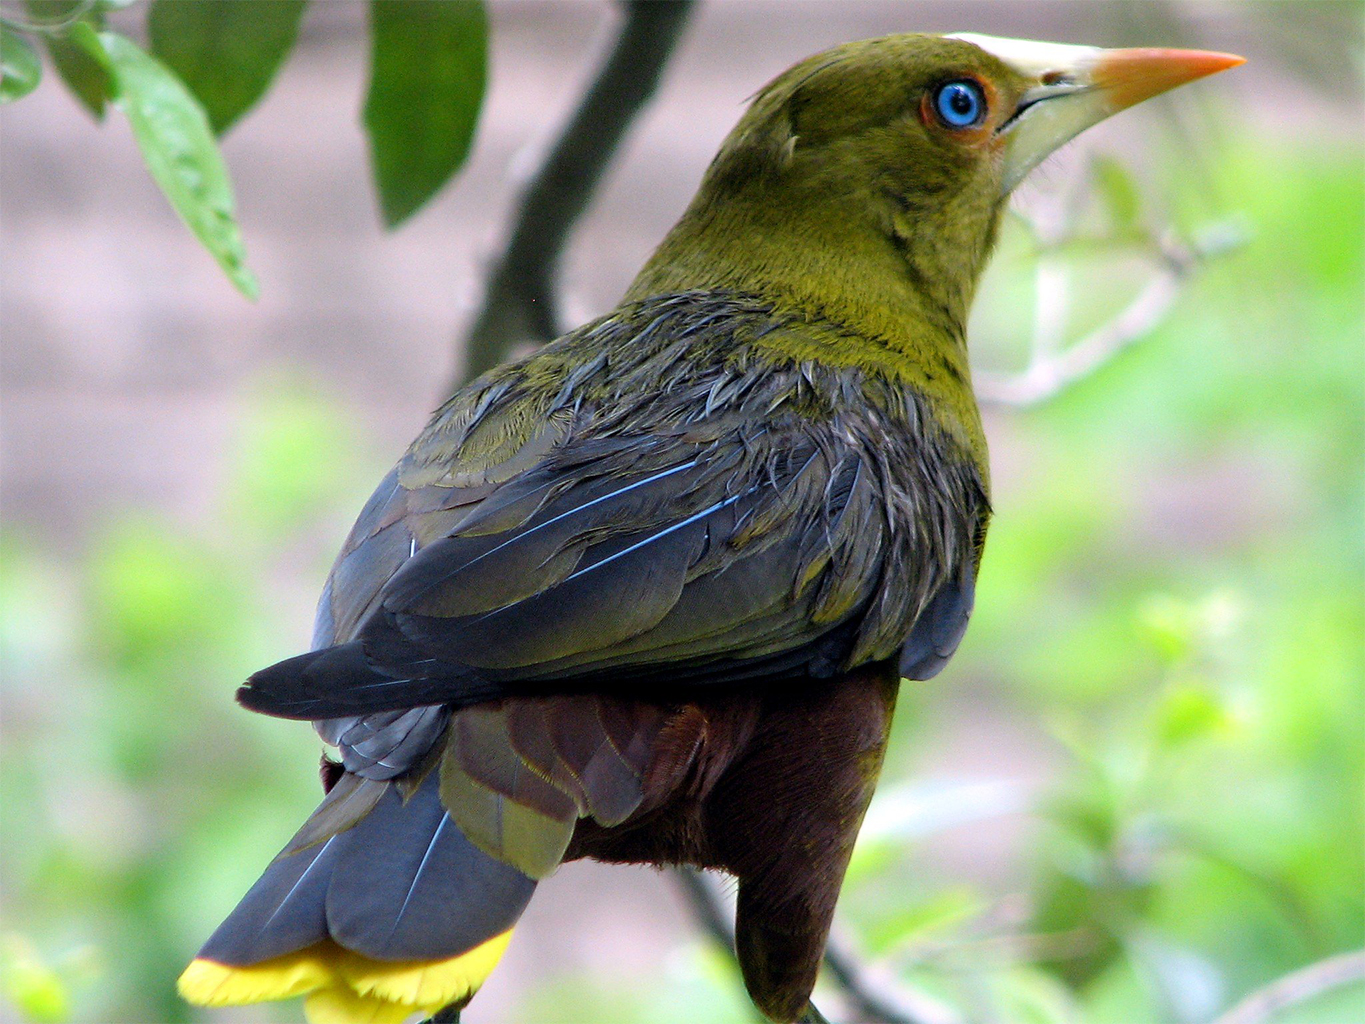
379, 908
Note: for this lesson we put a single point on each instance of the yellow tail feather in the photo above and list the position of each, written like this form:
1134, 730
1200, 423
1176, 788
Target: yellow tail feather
344, 987
340, 1005
207, 983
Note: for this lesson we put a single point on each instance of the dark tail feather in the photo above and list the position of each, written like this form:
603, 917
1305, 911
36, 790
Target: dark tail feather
402, 885
339, 681
429, 896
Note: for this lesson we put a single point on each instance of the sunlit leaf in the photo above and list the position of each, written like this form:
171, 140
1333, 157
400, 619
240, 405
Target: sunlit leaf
225, 51
1187, 713
1169, 624
1028, 996
19, 67
156, 593
178, 147
428, 66
926, 920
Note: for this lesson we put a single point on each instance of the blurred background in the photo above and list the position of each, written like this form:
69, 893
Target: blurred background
1134, 796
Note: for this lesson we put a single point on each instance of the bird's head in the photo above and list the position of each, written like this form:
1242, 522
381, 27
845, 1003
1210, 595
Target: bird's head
884, 164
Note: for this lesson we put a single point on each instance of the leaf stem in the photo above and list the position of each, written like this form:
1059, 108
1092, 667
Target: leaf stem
52, 27
874, 999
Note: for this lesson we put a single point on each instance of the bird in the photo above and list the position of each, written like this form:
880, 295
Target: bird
647, 594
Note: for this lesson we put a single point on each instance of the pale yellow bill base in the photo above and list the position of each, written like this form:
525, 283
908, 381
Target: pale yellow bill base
1078, 86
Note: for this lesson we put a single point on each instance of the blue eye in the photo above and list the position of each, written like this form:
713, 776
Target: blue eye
960, 104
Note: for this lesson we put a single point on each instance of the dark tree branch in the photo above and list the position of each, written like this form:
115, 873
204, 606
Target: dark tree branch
520, 304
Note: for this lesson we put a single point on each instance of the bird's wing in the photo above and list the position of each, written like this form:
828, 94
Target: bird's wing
533, 564
718, 553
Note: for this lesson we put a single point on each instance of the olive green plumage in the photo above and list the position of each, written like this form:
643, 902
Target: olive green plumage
663, 497
647, 593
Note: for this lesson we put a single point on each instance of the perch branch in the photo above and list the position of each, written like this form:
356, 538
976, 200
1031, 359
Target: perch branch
1298, 987
871, 996
1052, 369
520, 304
875, 995
449, 1015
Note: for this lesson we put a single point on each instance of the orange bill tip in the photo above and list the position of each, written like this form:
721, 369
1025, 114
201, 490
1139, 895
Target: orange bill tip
1128, 77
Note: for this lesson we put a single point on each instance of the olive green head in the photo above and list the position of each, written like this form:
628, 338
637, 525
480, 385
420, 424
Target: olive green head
857, 137
880, 168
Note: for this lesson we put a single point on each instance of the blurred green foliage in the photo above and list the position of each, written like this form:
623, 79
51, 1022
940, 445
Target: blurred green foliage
1170, 609
149, 802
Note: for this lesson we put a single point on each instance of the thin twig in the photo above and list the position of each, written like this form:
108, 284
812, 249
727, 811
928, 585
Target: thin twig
708, 906
872, 996
520, 304
1050, 371
1298, 987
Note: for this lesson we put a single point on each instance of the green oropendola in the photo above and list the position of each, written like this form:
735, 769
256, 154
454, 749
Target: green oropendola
647, 594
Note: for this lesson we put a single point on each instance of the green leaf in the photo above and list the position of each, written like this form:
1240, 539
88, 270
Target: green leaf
428, 67
176, 142
19, 67
226, 51
83, 74
1170, 624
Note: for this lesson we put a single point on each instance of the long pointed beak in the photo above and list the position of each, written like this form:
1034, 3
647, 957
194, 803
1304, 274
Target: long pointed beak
1079, 86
